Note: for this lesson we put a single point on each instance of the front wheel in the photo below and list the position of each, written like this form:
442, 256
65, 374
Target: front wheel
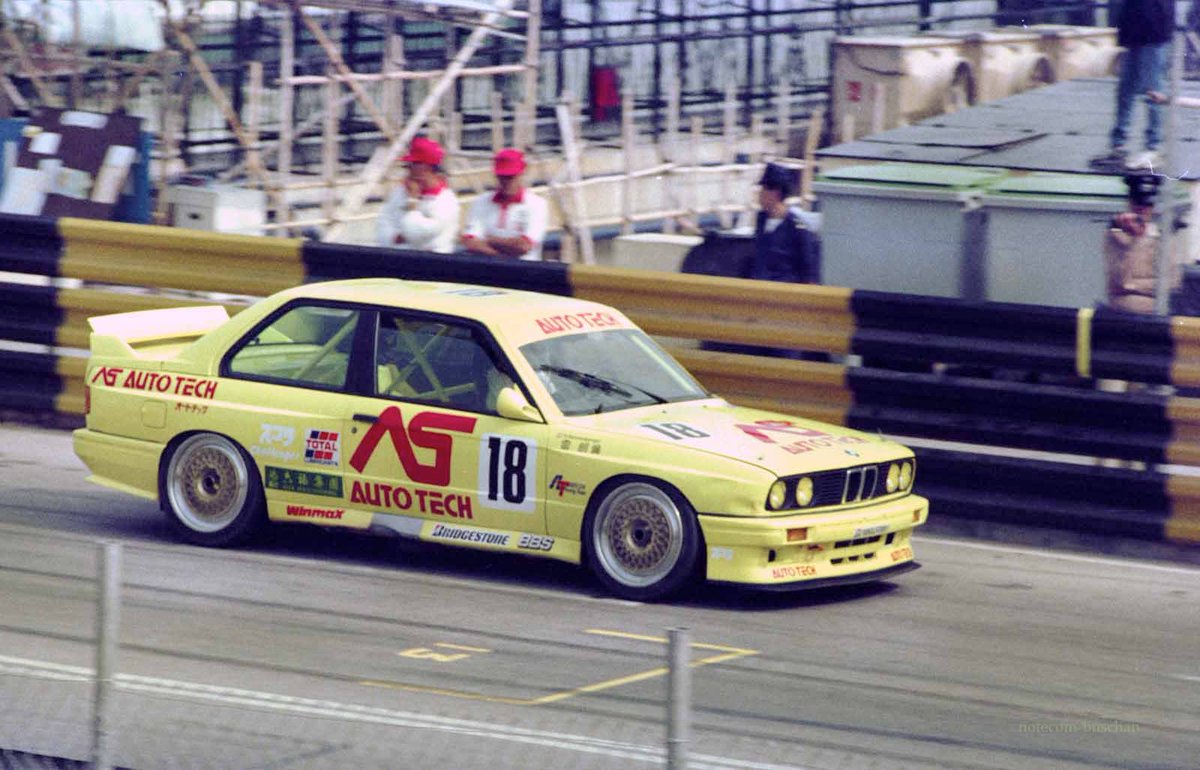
642, 542
213, 493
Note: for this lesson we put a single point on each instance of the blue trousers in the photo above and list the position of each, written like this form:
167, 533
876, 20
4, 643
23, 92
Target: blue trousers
1142, 70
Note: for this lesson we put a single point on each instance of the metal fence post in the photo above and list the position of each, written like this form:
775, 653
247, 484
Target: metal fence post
107, 626
679, 698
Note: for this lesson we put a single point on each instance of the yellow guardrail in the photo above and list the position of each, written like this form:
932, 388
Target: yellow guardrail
177, 258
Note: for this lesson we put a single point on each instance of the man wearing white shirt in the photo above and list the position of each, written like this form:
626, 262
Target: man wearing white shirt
512, 222
422, 213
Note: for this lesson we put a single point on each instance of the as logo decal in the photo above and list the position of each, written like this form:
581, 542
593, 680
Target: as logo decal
423, 430
108, 374
767, 432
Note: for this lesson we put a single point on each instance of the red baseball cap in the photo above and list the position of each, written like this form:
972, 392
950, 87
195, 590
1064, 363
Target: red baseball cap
423, 150
509, 162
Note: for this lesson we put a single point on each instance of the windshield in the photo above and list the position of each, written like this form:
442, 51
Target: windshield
604, 371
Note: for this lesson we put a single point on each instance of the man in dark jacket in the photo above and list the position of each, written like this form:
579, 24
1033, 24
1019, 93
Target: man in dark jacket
1145, 29
784, 248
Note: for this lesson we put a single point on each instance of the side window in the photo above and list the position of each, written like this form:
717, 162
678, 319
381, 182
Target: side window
437, 362
309, 345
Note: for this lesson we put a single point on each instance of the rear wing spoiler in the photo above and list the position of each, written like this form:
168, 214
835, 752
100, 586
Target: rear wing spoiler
120, 334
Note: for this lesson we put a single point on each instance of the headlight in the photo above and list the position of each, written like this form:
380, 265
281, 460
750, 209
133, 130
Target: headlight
777, 495
906, 475
804, 491
893, 477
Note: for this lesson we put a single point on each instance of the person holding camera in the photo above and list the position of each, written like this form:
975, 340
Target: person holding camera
1131, 249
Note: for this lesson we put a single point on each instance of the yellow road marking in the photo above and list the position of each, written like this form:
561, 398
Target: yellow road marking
598, 686
625, 635
451, 693
663, 640
464, 647
727, 654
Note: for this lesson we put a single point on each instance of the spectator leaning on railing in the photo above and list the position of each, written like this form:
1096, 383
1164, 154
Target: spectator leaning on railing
1131, 249
422, 213
785, 249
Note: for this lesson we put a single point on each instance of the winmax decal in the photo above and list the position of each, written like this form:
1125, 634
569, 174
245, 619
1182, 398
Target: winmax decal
464, 535
423, 430
304, 482
304, 512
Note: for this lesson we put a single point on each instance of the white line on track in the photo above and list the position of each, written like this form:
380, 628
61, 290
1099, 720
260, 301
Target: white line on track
1043, 554
349, 712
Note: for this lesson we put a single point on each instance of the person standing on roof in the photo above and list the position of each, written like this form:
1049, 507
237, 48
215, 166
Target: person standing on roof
512, 222
423, 212
1145, 29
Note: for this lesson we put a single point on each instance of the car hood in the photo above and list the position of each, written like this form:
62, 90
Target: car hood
781, 444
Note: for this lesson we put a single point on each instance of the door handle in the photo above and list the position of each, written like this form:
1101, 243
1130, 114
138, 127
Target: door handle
360, 417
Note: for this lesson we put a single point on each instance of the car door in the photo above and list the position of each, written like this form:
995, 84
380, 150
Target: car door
428, 444
289, 379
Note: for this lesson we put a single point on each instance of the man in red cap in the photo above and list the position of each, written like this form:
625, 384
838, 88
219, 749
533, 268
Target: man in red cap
423, 212
511, 222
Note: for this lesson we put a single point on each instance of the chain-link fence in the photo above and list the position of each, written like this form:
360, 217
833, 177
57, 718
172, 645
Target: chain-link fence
209, 704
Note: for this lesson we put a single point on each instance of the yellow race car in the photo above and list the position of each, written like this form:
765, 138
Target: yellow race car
487, 418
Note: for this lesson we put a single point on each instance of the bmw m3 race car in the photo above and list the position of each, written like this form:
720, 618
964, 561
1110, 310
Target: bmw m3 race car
485, 418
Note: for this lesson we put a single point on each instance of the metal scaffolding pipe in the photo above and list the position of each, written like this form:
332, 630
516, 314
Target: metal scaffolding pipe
377, 168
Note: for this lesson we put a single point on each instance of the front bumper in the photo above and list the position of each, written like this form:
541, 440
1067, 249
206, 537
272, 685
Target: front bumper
867, 543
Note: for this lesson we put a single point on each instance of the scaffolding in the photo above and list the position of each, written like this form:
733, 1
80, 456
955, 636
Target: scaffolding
312, 102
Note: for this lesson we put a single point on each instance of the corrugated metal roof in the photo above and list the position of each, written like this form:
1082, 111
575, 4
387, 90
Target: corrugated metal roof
1059, 127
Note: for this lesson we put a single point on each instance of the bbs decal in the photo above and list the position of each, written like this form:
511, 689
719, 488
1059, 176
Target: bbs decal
507, 472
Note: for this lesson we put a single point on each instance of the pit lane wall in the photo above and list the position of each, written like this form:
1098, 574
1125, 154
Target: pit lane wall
1104, 395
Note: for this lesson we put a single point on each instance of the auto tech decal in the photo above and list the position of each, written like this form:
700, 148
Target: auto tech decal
572, 322
322, 447
426, 430
396, 497
156, 382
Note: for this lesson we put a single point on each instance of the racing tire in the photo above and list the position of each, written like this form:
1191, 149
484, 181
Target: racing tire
642, 540
212, 493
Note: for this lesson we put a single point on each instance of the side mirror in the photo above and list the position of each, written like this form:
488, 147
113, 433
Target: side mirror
511, 403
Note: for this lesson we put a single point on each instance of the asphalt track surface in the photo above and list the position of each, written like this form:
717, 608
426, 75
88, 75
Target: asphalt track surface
313, 649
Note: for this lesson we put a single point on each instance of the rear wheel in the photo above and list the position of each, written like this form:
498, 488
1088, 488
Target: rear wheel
642, 541
213, 493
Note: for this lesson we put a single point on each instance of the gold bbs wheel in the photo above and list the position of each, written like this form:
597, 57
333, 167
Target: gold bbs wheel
210, 490
638, 535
